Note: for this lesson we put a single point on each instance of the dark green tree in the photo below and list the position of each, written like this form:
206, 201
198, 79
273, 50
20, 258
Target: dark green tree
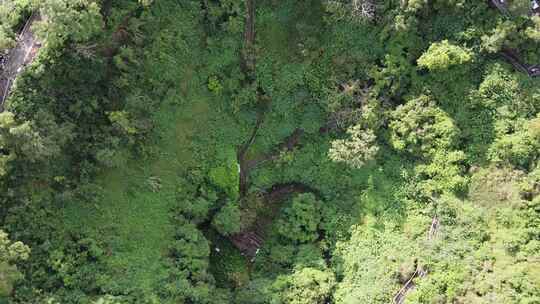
10, 253
300, 221
228, 220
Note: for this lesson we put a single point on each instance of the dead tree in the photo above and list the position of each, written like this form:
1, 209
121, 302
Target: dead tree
363, 9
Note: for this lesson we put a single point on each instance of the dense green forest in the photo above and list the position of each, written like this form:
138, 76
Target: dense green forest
272, 152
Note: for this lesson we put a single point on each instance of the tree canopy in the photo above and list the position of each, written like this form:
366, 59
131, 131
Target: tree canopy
269, 152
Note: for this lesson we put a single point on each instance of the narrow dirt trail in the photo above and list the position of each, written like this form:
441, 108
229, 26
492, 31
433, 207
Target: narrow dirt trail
250, 240
18, 57
249, 57
241, 156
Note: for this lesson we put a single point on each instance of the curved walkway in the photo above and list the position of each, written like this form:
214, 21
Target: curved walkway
18, 57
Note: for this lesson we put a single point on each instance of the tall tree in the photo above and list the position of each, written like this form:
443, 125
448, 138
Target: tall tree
10, 253
355, 151
442, 55
68, 20
422, 128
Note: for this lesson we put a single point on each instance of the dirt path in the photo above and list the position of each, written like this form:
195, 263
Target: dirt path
241, 156
250, 240
249, 38
18, 57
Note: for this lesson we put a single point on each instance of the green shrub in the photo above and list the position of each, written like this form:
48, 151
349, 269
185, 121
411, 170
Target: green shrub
226, 175
300, 221
305, 286
228, 220
421, 128
442, 55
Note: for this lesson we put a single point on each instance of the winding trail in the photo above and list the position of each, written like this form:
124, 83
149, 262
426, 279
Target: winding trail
244, 164
249, 56
250, 240
18, 57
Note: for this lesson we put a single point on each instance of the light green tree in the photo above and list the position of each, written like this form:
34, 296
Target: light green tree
123, 122
146, 3
442, 55
226, 174
499, 88
356, 150
515, 143
228, 220
305, 286
499, 36
534, 127
68, 20
10, 253
533, 32
22, 140
421, 128
372, 263
11, 12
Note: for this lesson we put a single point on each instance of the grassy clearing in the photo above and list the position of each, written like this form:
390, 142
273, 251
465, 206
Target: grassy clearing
285, 27
133, 214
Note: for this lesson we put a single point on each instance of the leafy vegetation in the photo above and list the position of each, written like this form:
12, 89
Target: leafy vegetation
272, 152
